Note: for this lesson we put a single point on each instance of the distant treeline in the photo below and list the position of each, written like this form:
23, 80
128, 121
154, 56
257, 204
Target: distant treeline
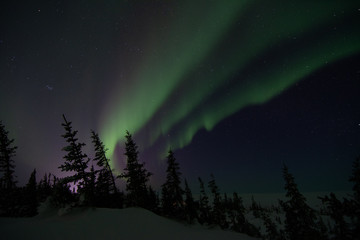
96, 187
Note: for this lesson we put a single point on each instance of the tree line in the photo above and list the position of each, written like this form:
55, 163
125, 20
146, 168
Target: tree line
96, 187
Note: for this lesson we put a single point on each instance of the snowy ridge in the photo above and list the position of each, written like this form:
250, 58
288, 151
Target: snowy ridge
101, 223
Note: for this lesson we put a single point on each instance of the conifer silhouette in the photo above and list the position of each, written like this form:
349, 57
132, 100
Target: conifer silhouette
7, 165
44, 187
31, 200
153, 200
355, 179
9, 194
337, 211
354, 203
75, 160
135, 174
217, 214
172, 201
300, 222
204, 208
190, 206
102, 161
237, 214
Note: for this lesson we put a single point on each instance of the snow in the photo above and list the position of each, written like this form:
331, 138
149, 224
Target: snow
130, 223
101, 223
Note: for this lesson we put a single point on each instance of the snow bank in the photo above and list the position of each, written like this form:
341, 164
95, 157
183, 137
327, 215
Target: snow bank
127, 224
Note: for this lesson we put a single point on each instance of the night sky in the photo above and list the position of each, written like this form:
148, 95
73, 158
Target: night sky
235, 88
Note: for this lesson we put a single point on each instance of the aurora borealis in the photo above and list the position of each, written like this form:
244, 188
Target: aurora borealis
253, 40
235, 88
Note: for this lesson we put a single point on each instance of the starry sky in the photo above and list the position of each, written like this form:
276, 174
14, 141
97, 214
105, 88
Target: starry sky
234, 88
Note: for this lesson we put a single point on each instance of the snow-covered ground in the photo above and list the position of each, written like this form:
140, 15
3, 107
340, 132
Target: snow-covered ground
129, 223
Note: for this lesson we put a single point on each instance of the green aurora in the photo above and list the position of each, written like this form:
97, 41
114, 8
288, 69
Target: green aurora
213, 61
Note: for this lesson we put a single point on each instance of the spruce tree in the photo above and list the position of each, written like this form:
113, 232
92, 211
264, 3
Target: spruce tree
90, 190
355, 179
44, 187
256, 208
217, 214
237, 215
204, 208
102, 190
225, 202
7, 165
354, 203
337, 211
238, 220
300, 222
172, 201
75, 160
9, 198
153, 200
61, 195
31, 202
272, 233
103, 162
190, 207
135, 174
